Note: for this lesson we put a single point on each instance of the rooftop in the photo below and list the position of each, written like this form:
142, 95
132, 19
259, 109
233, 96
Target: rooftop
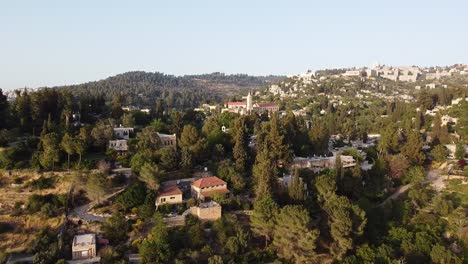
208, 182
169, 190
83, 240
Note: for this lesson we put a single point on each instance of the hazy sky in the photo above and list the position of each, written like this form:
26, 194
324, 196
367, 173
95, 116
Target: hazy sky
47, 43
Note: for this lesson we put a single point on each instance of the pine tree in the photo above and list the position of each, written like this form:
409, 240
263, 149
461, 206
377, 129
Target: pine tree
346, 222
293, 237
412, 149
279, 150
151, 174
265, 174
262, 222
156, 249
296, 188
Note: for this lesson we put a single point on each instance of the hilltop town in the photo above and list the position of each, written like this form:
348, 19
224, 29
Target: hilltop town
361, 165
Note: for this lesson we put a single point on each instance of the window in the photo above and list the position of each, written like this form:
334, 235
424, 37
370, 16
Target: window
172, 198
163, 200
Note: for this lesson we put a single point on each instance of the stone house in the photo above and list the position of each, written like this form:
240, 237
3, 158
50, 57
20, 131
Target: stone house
84, 246
206, 187
169, 195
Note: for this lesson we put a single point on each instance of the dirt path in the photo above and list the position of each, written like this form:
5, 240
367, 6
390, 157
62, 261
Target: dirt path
433, 177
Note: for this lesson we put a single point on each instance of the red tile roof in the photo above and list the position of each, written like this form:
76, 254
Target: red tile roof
237, 103
208, 182
169, 190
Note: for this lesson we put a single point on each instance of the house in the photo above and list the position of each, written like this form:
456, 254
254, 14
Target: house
84, 246
118, 145
209, 211
446, 119
318, 164
168, 141
123, 132
244, 108
285, 181
452, 148
207, 187
169, 195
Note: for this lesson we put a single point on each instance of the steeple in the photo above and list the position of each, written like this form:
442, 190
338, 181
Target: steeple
249, 102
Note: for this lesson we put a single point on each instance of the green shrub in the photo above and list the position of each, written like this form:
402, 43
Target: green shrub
42, 183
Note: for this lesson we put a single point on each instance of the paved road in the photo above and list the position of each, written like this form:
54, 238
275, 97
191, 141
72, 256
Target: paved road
82, 212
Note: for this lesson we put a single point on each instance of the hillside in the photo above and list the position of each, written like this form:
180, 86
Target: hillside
142, 88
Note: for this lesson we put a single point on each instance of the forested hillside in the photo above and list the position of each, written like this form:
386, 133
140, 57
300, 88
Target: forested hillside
142, 88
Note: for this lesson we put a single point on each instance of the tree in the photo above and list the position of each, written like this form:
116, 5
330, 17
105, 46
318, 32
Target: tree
116, 106
460, 151
101, 133
96, 186
441, 255
265, 174
215, 259
128, 120
156, 248
296, 188
414, 175
440, 132
151, 174
186, 159
388, 142
4, 108
326, 186
115, 228
148, 139
279, 151
23, 109
293, 236
190, 139
51, 153
413, 149
319, 137
397, 165
442, 205
82, 141
262, 220
346, 222
240, 151
68, 145
439, 153
421, 196
168, 158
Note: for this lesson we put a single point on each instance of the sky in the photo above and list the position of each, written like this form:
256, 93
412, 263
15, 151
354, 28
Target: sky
50, 43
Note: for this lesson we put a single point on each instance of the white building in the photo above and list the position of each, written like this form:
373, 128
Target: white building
123, 132
118, 145
84, 246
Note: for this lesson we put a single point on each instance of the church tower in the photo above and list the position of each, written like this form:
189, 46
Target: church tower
249, 102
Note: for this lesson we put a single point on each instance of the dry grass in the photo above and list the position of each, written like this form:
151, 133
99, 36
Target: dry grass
25, 229
26, 226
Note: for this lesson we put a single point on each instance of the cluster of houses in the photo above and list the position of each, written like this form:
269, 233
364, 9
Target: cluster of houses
249, 106
123, 134
407, 73
203, 190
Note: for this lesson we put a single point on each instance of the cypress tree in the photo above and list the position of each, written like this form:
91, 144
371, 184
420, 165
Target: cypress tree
296, 188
